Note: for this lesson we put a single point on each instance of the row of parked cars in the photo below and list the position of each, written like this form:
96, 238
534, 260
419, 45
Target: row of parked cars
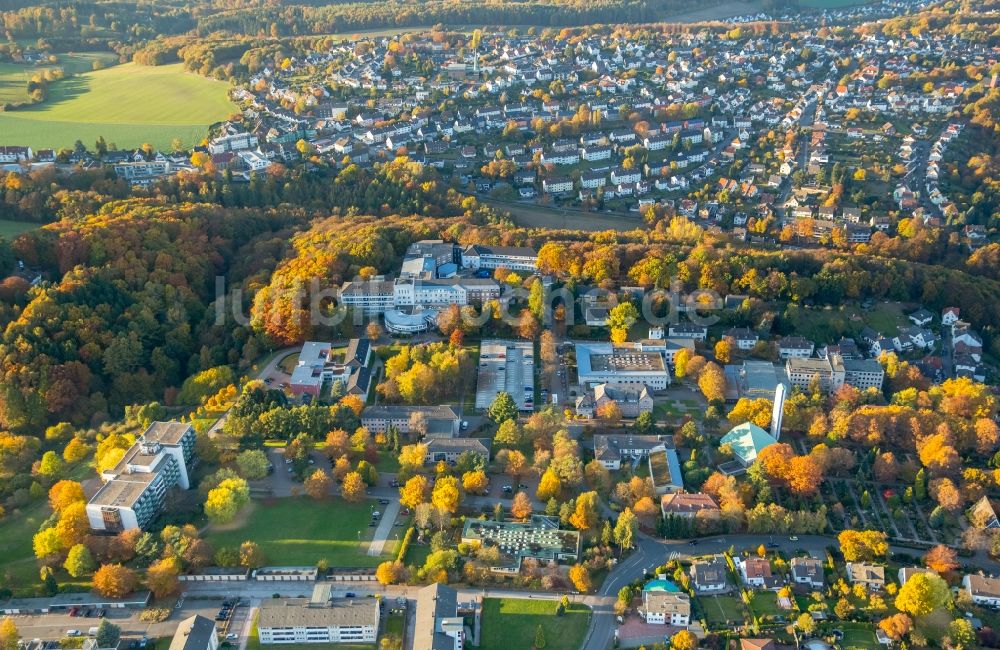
88, 612
227, 609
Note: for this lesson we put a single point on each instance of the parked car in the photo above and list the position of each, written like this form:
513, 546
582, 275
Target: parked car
72, 632
232, 636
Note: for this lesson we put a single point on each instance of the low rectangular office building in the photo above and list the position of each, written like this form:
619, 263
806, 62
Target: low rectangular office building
298, 620
605, 363
863, 373
434, 421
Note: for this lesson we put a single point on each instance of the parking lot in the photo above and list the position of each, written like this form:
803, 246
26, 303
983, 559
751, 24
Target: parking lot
231, 618
58, 625
507, 366
282, 482
55, 626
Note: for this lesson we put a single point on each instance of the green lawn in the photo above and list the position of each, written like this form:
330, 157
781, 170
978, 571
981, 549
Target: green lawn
858, 636
827, 325
392, 626
765, 603
416, 554
511, 623
127, 104
11, 229
722, 610
885, 318
287, 365
668, 409
388, 463
298, 531
16, 531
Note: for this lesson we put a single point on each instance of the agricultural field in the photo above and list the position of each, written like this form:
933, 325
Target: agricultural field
14, 76
128, 105
301, 532
539, 216
512, 623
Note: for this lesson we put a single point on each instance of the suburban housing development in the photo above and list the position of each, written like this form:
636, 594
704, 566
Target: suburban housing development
542, 325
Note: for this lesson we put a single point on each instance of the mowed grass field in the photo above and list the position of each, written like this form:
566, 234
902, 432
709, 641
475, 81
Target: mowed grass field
127, 104
511, 623
298, 531
11, 229
16, 531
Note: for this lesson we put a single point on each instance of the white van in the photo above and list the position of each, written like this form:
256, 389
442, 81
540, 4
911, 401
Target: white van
92, 631
72, 632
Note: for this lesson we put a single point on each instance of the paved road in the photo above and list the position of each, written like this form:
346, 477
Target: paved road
385, 527
651, 553
247, 627
648, 554
53, 626
264, 372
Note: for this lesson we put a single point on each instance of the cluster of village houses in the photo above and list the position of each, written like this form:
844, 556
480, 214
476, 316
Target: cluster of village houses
489, 103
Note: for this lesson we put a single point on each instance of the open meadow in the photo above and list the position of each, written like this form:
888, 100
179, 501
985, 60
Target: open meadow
298, 531
14, 76
512, 623
127, 104
11, 229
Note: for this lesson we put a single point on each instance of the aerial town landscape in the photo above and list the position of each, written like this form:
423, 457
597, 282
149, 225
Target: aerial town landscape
502, 325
